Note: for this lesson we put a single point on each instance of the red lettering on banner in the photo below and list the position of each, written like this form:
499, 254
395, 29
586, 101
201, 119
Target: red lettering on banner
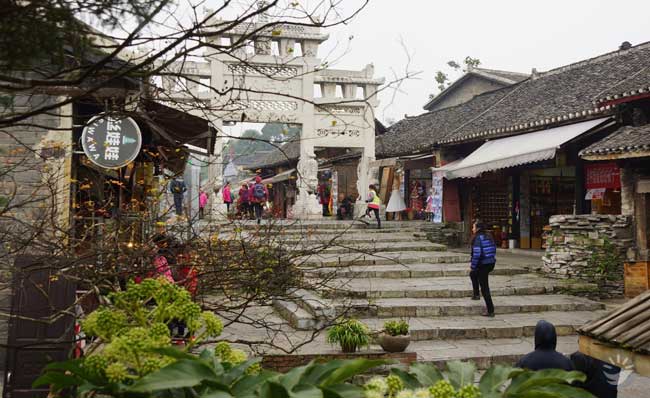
602, 175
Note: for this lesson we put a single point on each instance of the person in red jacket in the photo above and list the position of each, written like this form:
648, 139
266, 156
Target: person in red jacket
243, 202
258, 195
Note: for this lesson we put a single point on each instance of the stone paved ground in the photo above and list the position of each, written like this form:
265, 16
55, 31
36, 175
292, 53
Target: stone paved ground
412, 279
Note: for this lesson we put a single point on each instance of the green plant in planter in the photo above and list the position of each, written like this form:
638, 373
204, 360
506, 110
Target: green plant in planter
350, 334
396, 328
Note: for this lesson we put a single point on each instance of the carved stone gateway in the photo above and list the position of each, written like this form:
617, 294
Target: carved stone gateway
269, 81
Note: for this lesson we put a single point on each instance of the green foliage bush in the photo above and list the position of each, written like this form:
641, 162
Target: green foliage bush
396, 328
350, 334
426, 381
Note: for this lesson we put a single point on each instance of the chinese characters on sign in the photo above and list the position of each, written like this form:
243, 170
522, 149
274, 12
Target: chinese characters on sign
333, 132
111, 141
437, 197
602, 175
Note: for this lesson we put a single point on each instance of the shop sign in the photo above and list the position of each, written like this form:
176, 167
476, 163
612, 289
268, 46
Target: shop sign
595, 193
602, 175
111, 141
437, 185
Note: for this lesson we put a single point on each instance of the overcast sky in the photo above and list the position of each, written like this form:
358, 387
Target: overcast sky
503, 34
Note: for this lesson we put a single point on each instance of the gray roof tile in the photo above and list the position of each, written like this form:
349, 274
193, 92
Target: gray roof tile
624, 140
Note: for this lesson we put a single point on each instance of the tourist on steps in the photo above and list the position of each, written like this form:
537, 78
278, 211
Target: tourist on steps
545, 356
374, 203
258, 196
484, 253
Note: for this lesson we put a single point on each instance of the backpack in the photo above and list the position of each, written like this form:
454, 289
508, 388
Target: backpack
258, 191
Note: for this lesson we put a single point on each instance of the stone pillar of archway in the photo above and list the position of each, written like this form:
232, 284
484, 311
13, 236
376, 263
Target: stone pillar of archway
306, 206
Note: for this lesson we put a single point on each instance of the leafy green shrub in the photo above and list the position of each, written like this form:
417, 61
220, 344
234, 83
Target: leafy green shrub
396, 328
350, 334
129, 333
426, 381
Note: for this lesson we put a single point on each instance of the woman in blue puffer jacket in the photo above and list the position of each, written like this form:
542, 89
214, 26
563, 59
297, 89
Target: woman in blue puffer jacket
484, 253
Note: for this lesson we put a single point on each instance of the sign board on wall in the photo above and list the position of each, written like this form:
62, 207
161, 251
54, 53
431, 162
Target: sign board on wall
111, 141
437, 185
602, 175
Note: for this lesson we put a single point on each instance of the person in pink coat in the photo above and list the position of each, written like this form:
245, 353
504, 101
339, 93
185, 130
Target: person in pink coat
203, 201
227, 195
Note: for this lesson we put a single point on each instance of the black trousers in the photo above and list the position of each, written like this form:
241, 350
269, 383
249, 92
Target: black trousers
376, 211
257, 207
201, 213
479, 278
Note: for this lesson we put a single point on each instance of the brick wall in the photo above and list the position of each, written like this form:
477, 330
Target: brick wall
283, 363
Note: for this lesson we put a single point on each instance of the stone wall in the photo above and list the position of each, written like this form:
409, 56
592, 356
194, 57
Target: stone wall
575, 241
286, 362
450, 233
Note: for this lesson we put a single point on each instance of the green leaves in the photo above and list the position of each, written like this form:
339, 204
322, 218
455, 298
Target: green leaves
547, 383
493, 379
460, 373
350, 334
427, 375
180, 374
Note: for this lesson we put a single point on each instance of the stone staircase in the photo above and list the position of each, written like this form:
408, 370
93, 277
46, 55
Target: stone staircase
396, 273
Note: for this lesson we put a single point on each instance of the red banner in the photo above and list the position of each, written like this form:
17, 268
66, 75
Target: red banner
602, 175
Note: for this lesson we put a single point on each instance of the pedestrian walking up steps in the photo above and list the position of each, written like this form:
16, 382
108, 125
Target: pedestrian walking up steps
395, 273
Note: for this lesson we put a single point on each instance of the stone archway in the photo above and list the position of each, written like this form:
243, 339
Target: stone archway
279, 87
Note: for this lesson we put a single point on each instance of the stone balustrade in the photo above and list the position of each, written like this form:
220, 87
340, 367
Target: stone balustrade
574, 241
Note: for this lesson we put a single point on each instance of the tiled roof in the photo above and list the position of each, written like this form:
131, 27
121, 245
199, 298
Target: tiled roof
624, 140
420, 133
285, 153
502, 77
636, 84
627, 326
559, 96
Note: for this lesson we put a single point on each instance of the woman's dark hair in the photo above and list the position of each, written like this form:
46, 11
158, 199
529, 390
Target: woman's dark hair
481, 228
371, 186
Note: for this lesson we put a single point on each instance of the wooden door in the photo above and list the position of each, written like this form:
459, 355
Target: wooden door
450, 201
35, 338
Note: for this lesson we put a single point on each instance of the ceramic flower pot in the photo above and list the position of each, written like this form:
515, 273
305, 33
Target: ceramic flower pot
394, 343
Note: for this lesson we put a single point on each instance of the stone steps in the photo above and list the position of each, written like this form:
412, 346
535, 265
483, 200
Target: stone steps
483, 352
351, 238
423, 270
379, 247
447, 287
478, 327
388, 258
304, 226
431, 307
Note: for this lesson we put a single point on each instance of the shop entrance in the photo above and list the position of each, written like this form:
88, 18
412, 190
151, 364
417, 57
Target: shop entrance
337, 181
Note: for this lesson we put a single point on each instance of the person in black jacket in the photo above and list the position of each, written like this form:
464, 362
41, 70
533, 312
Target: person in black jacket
545, 356
484, 252
602, 378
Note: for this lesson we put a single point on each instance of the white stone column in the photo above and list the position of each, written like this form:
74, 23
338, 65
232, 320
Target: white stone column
217, 208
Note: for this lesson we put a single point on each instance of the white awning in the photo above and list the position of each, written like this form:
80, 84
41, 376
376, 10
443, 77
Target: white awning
520, 149
285, 175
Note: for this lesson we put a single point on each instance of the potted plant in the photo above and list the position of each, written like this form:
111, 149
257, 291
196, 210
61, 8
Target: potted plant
395, 336
350, 334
